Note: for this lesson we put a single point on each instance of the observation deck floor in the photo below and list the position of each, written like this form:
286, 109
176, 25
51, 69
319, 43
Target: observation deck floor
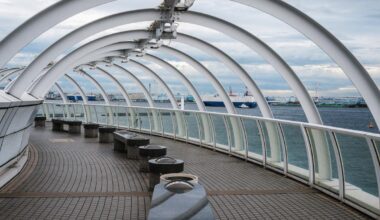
70, 177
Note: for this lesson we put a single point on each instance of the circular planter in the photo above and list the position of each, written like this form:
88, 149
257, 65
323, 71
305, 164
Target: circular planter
148, 152
171, 177
165, 165
152, 151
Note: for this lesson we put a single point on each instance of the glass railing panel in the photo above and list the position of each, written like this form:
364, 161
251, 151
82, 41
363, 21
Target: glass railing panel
254, 144
273, 144
122, 116
192, 125
359, 171
237, 135
156, 121
180, 124
377, 145
93, 118
101, 114
115, 117
59, 111
206, 128
167, 122
221, 135
79, 112
134, 120
297, 153
325, 164
144, 119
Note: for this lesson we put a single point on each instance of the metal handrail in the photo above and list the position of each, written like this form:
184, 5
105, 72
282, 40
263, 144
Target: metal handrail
307, 131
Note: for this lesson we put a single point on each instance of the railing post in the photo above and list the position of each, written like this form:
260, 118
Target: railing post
245, 137
340, 167
200, 129
309, 151
284, 148
263, 142
376, 162
228, 134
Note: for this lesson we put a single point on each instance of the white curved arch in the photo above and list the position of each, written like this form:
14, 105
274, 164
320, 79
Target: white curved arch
233, 65
120, 87
79, 88
40, 23
9, 74
158, 79
103, 93
181, 76
151, 14
7, 71
61, 93
137, 81
79, 53
199, 67
329, 44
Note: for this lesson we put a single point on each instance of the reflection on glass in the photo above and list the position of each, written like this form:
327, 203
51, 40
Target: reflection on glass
297, 154
325, 165
255, 148
273, 144
221, 136
192, 125
167, 121
359, 172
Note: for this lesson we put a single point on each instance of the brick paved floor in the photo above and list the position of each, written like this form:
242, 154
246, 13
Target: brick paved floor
69, 177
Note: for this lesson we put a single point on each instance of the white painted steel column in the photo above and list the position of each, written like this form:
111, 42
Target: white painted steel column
41, 22
87, 112
102, 92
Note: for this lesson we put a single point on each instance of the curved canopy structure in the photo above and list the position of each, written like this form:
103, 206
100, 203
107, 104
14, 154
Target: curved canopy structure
324, 162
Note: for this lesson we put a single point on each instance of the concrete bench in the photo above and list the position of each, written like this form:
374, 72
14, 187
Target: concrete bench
106, 134
129, 142
73, 127
90, 130
39, 121
57, 124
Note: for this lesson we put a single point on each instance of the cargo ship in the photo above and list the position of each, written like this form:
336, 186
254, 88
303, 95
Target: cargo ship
245, 101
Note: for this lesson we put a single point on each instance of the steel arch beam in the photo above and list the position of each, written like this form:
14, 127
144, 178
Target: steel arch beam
329, 44
60, 91
7, 71
79, 53
9, 74
180, 75
263, 50
79, 88
232, 65
40, 23
97, 84
120, 87
200, 68
73, 38
191, 17
158, 79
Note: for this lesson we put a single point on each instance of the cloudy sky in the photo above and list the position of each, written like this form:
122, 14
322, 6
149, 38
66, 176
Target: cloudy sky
355, 23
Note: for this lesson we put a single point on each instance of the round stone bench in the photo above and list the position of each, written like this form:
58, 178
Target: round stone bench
106, 134
91, 130
163, 165
39, 121
74, 127
133, 143
57, 124
150, 152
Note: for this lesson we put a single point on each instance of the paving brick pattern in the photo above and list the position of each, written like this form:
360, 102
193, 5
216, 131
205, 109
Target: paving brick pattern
69, 177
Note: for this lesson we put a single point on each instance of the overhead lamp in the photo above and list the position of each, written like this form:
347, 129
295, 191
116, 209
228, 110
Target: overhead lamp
184, 5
